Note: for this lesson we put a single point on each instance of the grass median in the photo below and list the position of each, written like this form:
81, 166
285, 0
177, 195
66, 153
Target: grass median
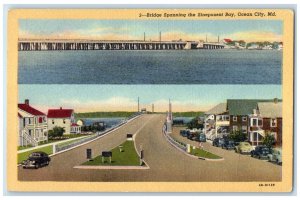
203, 154
127, 157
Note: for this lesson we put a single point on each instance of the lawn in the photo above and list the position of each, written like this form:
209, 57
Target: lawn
204, 154
128, 156
24, 147
24, 156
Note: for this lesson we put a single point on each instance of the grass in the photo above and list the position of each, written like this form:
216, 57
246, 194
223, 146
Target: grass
24, 147
24, 156
103, 114
128, 157
204, 154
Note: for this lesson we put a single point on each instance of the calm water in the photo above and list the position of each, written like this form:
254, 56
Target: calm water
150, 67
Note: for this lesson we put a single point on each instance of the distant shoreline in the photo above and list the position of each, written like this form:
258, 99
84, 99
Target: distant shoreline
126, 114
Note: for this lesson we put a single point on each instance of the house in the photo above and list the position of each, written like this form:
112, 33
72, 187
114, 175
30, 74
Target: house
216, 122
266, 118
32, 125
63, 118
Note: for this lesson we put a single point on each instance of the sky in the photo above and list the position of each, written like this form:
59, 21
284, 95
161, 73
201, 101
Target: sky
91, 98
248, 30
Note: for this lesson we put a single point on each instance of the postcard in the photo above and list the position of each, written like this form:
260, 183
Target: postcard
150, 100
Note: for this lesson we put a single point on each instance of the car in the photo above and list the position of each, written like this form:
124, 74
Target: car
275, 156
218, 142
202, 137
228, 144
184, 133
36, 160
260, 152
192, 136
243, 148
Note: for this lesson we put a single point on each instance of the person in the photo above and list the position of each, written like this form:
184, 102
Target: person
200, 145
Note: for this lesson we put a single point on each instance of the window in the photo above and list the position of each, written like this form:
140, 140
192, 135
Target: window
255, 122
234, 118
234, 128
244, 118
52, 121
244, 129
273, 122
64, 121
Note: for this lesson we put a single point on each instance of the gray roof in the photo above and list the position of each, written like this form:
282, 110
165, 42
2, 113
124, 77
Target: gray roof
244, 106
270, 109
218, 109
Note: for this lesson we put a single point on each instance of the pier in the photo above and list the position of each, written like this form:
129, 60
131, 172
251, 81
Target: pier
61, 45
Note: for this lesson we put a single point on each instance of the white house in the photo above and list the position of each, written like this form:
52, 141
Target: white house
32, 125
63, 118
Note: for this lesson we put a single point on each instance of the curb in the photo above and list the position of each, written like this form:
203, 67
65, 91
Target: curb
112, 167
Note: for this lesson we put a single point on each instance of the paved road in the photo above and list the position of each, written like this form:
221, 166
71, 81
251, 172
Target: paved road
166, 163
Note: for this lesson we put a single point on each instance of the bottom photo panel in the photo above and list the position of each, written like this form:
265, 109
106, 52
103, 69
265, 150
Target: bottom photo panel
149, 133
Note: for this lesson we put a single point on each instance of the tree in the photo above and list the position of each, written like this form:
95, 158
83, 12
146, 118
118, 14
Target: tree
269, 140
56, 132
237, 136
195, 124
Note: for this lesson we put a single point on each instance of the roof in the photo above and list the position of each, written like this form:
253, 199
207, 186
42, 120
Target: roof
74, 124
218, 109
27, 108
60, 113
227, 40
270, 109
19, 115
244, 106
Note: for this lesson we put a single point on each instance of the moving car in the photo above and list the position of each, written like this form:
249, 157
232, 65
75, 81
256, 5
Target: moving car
260, 152
243, 147
218, 142
228, 144
275, 156
36, 160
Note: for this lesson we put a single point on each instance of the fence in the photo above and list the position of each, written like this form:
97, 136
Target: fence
58, 148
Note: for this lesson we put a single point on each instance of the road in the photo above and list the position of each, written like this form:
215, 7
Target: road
166, 163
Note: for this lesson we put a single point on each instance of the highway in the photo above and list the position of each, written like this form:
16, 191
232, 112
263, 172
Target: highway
166, 162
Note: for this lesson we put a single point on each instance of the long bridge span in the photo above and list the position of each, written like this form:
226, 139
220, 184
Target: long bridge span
59, 45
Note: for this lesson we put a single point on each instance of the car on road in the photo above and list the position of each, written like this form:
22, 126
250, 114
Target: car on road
243, 148
218, 142
275, 156
260, 152
184, 133
228, 144
202, 137
36, 160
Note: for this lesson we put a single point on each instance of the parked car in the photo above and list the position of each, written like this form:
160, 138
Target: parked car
228, 144
192, 136
275, 156
260, 152
243, 147
184, 133
36, 160
202, 137
218, 142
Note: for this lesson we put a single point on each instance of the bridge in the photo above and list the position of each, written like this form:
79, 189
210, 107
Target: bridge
59, 45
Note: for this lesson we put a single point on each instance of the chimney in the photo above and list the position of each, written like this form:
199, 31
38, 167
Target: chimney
27, 101
275, 100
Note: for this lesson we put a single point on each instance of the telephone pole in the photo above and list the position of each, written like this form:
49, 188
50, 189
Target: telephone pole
138, 104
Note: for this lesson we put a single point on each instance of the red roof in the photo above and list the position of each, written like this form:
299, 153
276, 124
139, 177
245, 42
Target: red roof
60, 113
27, 108
74, 124
19, 115
227, 40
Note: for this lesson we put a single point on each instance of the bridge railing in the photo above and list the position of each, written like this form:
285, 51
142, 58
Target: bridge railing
176, 143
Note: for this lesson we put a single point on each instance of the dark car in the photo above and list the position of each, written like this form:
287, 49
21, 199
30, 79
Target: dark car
218, 142
192, 136
184, 133
228, 144
36, 160
260, 152
202, 137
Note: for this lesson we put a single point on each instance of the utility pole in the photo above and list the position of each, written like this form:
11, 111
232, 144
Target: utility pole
152, 108
138, 104
144, 36
218, 39
160, 36
206, 38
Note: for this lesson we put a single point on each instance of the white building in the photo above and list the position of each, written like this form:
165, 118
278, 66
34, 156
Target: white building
32, 125
63, 118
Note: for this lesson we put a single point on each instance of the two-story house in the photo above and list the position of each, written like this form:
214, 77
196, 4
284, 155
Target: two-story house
63, 118
32, 125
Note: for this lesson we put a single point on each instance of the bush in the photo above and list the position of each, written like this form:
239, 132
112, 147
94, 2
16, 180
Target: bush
238, 136
269, 140
194, 124
56, 132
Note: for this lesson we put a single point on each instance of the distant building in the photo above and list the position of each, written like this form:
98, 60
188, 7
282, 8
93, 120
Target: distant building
32, 125
63, 118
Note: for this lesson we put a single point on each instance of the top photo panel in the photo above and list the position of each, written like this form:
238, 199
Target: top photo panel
90, 51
